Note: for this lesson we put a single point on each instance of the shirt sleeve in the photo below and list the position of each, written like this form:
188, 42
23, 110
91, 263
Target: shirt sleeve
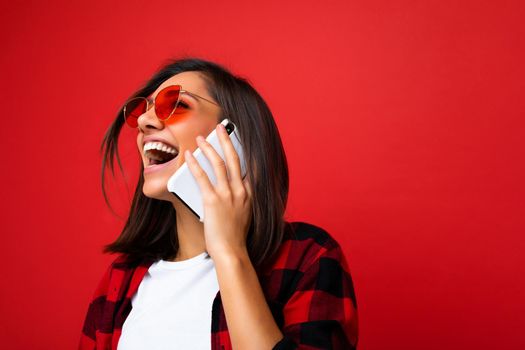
322, 311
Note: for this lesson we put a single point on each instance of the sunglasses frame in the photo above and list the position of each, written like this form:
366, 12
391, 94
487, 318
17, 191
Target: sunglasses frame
151, 102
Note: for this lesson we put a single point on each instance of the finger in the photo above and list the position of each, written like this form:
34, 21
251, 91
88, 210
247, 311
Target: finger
219, 167
248, 187
200, 175
232, 158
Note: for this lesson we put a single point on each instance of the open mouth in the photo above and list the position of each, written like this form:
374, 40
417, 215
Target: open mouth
159, 157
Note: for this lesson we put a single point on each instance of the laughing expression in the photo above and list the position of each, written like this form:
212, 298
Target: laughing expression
162, 143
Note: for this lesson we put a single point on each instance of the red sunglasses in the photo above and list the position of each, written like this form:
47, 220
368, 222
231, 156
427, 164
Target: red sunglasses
166, 104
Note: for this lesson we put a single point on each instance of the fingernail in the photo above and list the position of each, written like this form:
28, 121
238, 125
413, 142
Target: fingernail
187, 154
200, 138
221, 127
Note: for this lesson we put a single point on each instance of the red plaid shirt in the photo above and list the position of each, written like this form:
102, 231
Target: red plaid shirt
308, 288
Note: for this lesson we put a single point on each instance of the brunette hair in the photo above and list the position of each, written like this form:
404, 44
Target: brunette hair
150, 229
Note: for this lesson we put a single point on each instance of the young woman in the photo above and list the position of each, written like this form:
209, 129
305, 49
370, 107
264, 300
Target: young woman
242, 279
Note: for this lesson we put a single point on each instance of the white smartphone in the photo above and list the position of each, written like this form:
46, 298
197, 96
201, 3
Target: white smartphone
183, 184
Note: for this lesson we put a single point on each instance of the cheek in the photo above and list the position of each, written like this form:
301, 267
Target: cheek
178, 119
187, 132
139, 143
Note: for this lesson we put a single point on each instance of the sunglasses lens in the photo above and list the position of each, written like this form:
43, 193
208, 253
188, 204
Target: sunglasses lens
166, 101
133, 109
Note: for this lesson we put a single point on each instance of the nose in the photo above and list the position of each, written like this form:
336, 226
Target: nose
149, 120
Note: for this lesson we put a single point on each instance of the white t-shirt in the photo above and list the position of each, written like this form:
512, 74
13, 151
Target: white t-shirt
172, 306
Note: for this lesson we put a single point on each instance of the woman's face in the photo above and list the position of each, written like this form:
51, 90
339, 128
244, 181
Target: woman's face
196, 117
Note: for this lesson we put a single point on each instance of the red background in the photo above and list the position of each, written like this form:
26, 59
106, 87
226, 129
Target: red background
402, 122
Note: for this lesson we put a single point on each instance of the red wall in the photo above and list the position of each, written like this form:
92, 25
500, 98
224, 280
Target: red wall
402, 122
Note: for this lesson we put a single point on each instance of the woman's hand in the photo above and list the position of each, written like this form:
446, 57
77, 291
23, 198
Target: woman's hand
227, 205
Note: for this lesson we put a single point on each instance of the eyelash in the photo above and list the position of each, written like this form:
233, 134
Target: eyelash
183, 104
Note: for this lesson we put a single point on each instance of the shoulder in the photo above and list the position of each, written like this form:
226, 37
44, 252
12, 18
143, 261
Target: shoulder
304, 245
310, 237
103, 284
312, 292
309, 233
125, 262
120, 262
118, 271
121, 274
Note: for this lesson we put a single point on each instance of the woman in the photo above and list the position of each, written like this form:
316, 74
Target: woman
242, 279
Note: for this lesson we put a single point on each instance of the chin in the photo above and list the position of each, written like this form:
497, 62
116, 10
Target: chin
156, 183
156, 190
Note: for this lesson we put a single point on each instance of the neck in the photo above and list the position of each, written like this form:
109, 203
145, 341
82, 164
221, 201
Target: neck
190, 233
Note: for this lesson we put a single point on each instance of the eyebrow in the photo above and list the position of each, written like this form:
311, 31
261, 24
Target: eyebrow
150, 97
190, 95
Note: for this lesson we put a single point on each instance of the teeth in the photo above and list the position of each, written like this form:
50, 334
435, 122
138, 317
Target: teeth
159, 146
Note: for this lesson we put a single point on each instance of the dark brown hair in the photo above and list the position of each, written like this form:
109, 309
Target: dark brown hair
150, 229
